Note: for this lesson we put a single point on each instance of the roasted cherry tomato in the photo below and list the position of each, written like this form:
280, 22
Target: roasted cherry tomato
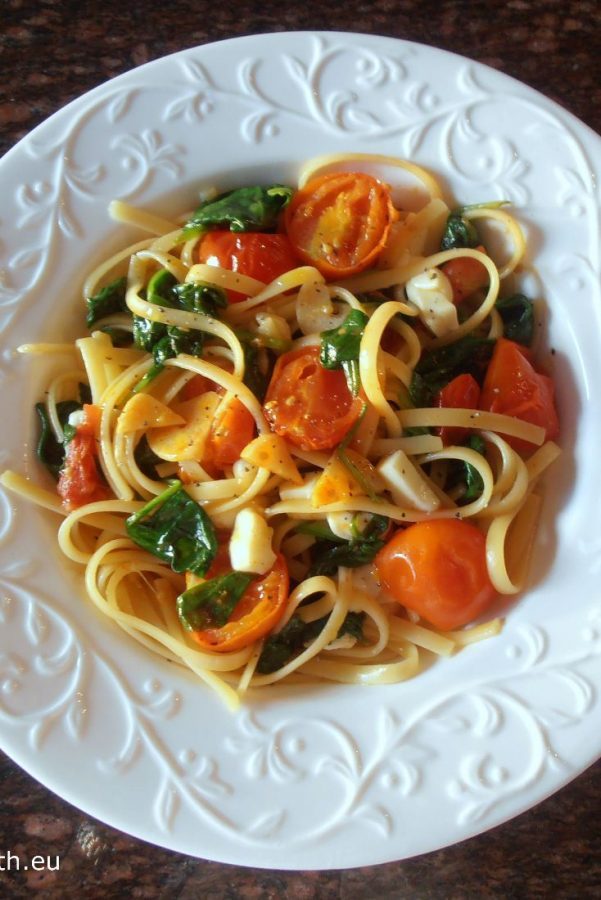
256, 614
80, 480
340, 222
252, 253
438, 570
512, 386
198, 385
463, 392
308, 405
466, 274
231, 431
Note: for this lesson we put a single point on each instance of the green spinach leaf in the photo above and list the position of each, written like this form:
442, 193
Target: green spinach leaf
146, 459
458, 233
199, 297
439, 366
254, 377
328, 555
463, 473
107, 302
517, 313
253, 208
340, 348
210, 604
176, 529
51, 452
280, 648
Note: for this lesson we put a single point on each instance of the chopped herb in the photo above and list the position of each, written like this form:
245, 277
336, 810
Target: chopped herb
176, 529
348, 463
320, 530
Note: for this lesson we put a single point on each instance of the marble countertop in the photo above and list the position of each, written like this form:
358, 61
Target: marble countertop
52, 51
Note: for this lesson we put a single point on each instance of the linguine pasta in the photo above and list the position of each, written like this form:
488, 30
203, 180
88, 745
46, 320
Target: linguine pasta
155, 420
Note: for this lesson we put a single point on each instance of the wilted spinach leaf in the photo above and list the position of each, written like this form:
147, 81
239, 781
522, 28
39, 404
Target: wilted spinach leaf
253, 208
439, 366
210, 604
176, 529
280, 648
458, 233
107, 302
517, 313
327, 555
340, 347
49, 451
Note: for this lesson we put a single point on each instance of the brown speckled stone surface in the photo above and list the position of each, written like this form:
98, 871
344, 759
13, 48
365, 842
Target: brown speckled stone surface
52, 51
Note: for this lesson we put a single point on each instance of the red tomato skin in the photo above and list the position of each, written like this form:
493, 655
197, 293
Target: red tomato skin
230, 433
467, 275
79, 480
308, 405
438, 569
257, 613
258, 255
463, 392
339, 222
513, 387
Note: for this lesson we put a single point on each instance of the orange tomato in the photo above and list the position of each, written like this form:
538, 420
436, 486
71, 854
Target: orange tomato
340, 222
80, 481
512, 386
438, 569
199, 385
308, 405
258, 255
466, 275
462, 392
231, 431
256, 614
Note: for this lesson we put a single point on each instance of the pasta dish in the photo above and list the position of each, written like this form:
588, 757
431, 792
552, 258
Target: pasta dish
304, 435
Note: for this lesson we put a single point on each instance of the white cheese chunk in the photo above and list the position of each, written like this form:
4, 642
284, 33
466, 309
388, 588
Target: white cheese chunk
250, 543
76, 418
341, 524
406, 483
431, 292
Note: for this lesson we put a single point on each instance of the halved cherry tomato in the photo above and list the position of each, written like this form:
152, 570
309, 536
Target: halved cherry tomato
466, 275
231, 431
308, 405
252, 253
438, 570
340, 222
256, 614
80, 480
512, 386
462, 392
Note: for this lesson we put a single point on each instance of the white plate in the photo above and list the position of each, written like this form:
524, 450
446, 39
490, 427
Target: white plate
329, 777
